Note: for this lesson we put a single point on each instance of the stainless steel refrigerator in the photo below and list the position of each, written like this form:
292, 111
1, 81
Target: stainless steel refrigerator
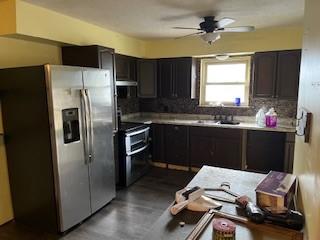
58, 123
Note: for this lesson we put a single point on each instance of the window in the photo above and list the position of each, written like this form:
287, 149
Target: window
223, 81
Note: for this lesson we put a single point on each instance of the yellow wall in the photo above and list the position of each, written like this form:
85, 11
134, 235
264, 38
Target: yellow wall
260, 40
43, 23
307, 155
16, 52
7, 17
13, 53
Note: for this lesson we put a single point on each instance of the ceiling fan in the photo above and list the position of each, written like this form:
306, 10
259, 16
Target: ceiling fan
209, 30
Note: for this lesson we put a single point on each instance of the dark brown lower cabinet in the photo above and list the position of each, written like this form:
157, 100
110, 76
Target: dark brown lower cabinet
176, 145
201, 150
158, 142
215, 147
228, 153
265, 151
222, 147
289, 152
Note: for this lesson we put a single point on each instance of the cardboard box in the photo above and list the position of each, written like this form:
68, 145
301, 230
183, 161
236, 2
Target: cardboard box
276, 190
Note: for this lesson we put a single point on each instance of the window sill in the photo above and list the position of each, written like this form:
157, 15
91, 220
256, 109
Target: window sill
225, 106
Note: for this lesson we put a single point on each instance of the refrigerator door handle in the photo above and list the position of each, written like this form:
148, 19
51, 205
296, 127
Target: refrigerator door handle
90, 125
85, 115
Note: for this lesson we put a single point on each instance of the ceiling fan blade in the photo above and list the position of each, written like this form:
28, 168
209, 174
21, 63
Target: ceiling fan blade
236, 29
192, 34
224, 22
186, 28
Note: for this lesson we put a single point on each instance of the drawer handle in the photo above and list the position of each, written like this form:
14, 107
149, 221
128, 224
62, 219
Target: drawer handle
176, 128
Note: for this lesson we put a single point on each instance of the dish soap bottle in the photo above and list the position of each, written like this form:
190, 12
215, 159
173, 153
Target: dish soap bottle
261, 117
271, 118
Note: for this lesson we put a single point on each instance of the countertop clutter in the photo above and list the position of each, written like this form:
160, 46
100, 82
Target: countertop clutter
244, 183
246, 122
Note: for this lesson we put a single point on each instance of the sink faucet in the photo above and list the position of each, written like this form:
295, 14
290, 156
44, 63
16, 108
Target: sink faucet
218, 115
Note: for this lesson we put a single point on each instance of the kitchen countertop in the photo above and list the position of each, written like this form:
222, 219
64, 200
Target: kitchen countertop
246, 122
167, 226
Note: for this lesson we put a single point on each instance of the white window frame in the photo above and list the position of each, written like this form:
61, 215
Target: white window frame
203, 79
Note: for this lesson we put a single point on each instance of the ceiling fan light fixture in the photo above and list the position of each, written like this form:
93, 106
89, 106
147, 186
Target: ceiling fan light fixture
210, 37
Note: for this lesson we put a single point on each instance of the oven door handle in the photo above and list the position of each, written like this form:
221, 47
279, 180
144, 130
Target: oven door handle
137, 132
138, 150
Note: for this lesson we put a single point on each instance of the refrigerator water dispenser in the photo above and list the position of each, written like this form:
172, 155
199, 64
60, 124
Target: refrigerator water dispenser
71, 131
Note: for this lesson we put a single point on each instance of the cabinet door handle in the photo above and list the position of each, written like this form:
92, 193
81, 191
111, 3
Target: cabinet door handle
176, 128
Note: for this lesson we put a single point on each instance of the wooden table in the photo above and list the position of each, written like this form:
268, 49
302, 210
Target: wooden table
167, 226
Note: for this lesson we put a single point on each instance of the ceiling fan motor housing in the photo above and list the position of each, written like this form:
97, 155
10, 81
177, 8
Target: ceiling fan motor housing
209, 24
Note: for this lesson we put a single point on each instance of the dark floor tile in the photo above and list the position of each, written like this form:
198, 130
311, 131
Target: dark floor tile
128, 216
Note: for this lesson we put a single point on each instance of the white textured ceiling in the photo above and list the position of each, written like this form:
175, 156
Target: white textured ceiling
155, 18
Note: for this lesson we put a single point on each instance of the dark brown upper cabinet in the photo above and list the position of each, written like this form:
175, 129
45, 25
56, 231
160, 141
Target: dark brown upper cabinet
276, 74
126, 68
265, 73
147, 78
288, 74
166, 78
176, 77
89, 56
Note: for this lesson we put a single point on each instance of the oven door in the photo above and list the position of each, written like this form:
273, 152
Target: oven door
137, 164
137, 140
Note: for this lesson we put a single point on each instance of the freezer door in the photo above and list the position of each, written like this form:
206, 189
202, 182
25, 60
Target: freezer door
98, 87
68, 139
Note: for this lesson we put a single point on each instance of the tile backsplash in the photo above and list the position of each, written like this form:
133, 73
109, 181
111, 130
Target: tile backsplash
128, 105
284, 108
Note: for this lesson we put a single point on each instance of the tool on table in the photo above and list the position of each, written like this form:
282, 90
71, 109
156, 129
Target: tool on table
193, 199
203, 204
282, 216
230, 216
201, 225
223, 229
206, 218
254, 213
291, 219
184, 197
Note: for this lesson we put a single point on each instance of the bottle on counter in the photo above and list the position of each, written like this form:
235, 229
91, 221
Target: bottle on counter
271, 118
261, 117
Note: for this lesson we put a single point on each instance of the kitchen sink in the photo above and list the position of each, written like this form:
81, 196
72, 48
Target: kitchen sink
207, 121
223, 122
228, 122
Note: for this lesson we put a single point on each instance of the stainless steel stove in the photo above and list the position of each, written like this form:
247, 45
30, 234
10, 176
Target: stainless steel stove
134, 152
